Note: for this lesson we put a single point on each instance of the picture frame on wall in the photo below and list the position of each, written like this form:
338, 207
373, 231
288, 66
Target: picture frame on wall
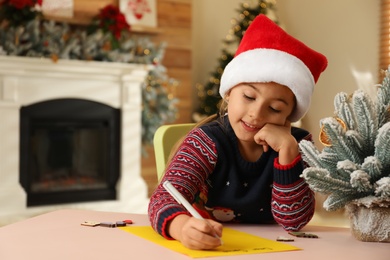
58, 8
139, 12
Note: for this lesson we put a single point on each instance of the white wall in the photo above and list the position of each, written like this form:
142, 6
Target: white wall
346, 31
211, 22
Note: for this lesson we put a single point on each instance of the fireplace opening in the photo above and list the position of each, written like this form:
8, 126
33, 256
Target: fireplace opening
69, 151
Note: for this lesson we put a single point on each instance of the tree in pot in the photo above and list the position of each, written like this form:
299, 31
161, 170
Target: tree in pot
353, 168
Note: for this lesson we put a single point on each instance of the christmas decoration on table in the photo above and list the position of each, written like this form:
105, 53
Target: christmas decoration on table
18, 12
108, 41
353, 169
208, 94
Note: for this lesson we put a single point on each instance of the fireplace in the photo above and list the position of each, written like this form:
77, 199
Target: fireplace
69, 151
70, 136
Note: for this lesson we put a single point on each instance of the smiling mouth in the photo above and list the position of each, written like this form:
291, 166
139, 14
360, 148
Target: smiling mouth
250, 127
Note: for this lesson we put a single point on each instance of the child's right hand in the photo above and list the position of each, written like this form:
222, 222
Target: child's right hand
196, 233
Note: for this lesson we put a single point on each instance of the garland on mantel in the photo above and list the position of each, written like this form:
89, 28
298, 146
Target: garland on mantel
24, 32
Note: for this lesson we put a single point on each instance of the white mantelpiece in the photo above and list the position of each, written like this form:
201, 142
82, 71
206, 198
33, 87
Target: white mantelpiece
24, 81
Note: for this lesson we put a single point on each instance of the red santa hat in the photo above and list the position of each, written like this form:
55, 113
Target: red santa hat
268, 54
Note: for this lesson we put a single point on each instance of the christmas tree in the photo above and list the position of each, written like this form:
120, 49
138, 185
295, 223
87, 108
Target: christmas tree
158, 102
208, 94
355, 163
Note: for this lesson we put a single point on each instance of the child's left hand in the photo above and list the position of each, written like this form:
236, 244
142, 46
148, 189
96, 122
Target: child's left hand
279, 138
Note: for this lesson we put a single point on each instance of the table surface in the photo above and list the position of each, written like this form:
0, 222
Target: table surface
60, 235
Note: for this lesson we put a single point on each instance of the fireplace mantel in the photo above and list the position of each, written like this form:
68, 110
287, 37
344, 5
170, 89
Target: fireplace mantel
24, 81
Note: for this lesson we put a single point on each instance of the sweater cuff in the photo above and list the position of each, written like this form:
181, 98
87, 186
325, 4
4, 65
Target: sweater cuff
169, 216
288, 174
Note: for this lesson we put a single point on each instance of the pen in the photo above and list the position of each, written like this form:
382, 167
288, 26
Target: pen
181, 200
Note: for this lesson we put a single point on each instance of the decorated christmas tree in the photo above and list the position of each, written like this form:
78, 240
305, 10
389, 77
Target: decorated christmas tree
158, 102
208, 94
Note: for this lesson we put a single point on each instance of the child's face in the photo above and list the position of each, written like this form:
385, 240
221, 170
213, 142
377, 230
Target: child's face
252, 105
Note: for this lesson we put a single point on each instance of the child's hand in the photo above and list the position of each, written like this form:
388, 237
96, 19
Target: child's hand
196, 233
279, 138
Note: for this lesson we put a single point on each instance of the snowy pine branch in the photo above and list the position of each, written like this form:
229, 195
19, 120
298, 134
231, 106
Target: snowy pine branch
382, 147
321, 181
343, 109
366, 117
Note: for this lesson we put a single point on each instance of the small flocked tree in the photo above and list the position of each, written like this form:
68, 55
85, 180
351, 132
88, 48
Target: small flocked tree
208, 94
354, 165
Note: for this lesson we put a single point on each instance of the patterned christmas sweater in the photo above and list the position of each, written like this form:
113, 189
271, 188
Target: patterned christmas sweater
209, 172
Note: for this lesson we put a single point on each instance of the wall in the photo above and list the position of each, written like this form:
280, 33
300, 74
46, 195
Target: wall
347, 32
211, 24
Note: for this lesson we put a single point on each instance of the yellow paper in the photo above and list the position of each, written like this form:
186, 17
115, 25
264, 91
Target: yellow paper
234, 243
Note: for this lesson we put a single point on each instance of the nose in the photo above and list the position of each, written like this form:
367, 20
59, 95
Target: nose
256, 112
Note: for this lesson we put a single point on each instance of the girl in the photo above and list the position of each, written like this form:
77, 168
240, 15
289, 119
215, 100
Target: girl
244, 165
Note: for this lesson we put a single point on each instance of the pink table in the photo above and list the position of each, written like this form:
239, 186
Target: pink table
59, 235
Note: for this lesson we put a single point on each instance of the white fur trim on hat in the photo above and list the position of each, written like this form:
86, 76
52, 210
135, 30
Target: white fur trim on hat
269, 65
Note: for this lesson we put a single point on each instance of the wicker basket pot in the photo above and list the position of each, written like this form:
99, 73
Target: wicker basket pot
370, 222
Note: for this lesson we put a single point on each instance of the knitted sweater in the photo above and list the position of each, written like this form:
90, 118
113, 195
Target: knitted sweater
210, 173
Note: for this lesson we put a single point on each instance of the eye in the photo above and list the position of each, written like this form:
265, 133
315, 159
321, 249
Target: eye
275, 110
248, 97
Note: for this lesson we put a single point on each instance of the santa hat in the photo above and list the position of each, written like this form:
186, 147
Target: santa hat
268, 54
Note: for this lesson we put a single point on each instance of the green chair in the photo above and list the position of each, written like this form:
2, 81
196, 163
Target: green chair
164, 139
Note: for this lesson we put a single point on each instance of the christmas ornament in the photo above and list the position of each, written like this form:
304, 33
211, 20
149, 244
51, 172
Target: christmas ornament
324, 137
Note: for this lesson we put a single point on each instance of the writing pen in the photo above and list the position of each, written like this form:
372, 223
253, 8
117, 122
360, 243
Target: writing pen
181, 200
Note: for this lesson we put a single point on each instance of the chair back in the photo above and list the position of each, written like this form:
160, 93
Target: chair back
164, 139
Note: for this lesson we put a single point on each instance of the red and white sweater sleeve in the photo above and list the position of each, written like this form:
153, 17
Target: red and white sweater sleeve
188, 171
293, 202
